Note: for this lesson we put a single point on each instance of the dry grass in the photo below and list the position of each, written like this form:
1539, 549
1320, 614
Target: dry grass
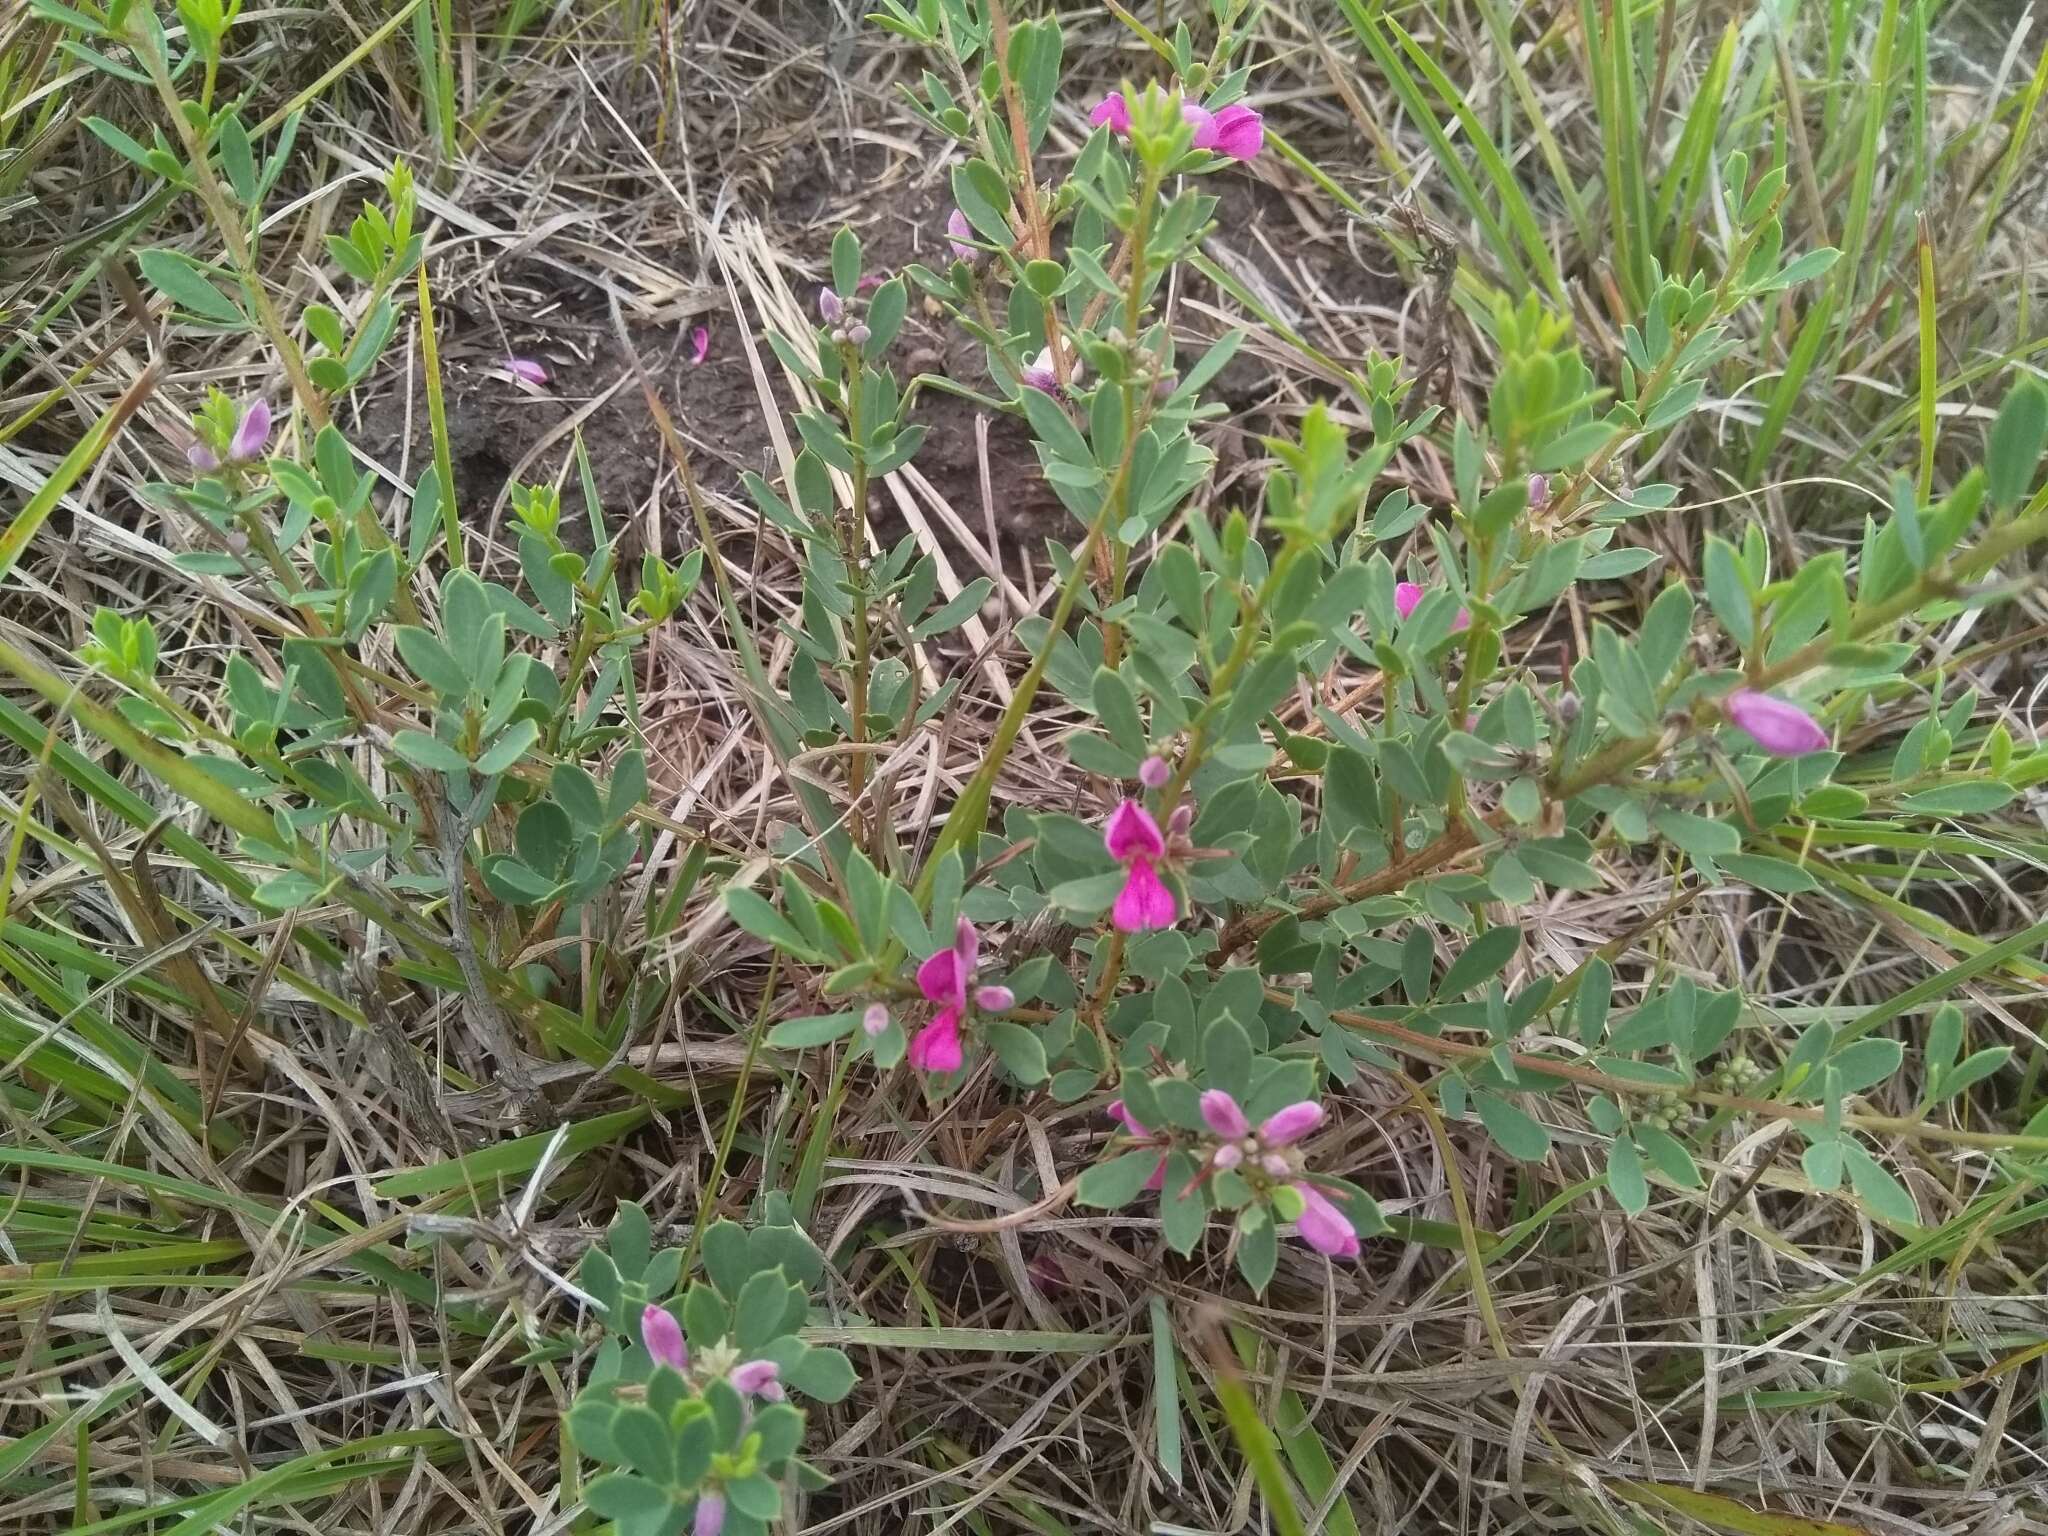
342, 1306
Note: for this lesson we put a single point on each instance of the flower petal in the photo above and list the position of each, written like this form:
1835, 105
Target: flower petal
527, 369
251, 432
1117, 1112
1115, 111
1777, 725
1144, 903
1322, 1226
936, 1047
1131, 833
1407, 598
1291, 1124
960, 235
663, 1336
940, 978
1204, 123
1221, 1114
1240, 132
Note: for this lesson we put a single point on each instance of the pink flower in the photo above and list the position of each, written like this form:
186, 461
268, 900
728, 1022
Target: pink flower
663, 1336
758, 1378
1153, 772
1203, 121
1114, 111
700, 345
944, 976
1291, 1124
526, 370
1322, 1226
1221, 1114
1239, 133
1145, 902
936, 1047
1408, 597
1133, 834
251, 433
960, 236
1129, 1122
710, 1517
875, 1020
1780, 727
1133, 840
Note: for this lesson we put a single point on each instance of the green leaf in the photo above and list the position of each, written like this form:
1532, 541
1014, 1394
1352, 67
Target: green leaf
757, 917
1519, 1135
186, 285
1112, 1185
846, 262
1728, 592
814, 1029
963, 606
2014, 446
757, 1314
511, 745
1258, 1255
1117, 709
623, 1496
1625, 1179
1018, 1049
1481, 961
428, 752
824, 1375
1968, 799
1768, 874
1876, 1187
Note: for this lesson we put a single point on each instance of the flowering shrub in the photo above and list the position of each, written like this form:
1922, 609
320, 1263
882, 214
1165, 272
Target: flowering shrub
689, 1395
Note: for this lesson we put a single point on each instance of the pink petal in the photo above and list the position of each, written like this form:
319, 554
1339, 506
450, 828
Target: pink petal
1407, 598
1117, 1112
1114, 111
1131, 833
1144, 903
995, 999
1462, 621
1323, 1227
663, 1336
1221, 1114
527, 369
1779, 726
251, 432
710, 1517
1154, 772
201, 458
1204, 122
700, 345
1291, 1124
966, 945
1240, 132
1226, 1157
758, 1378
941, 980
936, 1047
960, 235
1158, 1179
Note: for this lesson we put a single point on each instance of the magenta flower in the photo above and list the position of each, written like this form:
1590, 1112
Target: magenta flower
710, 1517
526, 370
700, 345
1203, 121
1408, 597
1288, 1125
1153, 772
1777, 725
251, 433
1238, 132
663, 1336
758, 1378
947, 979
1114, 111
960, 236
1133, 840
1322, 1226
1221, 1114
1130, 1123
875, 1020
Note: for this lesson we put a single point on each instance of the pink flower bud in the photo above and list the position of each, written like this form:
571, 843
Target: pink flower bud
875, 1020
710, 1517
1226, 1157
1780, 727
1539, 491
1181, 820
758, 1378
526, 370
830, 309
1407, 598
252, 432
1322, 1226
960, 236
202, 458
995, 999
1153, 772
663, 1336
700, 346
1221, 1114
858, 333
1276, 1165
1114, 111
1291, 1124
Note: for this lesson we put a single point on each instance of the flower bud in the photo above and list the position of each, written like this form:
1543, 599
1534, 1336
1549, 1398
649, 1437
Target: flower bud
875, 1020
830, 309
1153, 772
995, 999
859, 334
